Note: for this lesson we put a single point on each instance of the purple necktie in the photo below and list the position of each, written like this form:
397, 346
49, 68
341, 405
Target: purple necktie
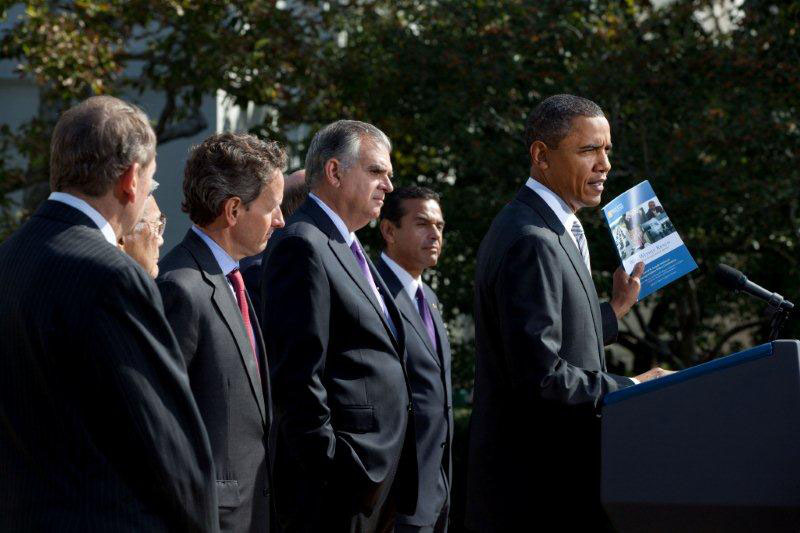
362, 263
427, 319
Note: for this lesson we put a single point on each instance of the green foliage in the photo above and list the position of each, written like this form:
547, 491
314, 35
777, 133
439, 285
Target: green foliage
707, 111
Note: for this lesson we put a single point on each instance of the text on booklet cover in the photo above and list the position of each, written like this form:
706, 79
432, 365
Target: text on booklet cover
642, 231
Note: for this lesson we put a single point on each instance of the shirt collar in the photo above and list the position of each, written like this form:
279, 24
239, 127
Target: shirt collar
562, 211
225, 261
82, 206
556, 203
349, 236
410, 284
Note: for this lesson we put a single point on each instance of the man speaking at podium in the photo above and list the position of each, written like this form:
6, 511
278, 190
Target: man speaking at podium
540, 331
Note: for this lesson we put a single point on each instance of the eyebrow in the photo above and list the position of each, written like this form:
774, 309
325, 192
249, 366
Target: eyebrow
594, 146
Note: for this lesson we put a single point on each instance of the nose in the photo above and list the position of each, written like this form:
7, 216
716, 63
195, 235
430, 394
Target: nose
277, 220
604, 164
387, 184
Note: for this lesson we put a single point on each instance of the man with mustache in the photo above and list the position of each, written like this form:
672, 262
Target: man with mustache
232, 188
540, 330
344, 456
412, 226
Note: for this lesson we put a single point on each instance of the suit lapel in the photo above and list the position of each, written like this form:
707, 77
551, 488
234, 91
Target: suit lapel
345, 256
406, 306
533, 200
225, 303
266, 398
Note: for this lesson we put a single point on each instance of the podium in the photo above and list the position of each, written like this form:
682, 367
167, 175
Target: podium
715, 447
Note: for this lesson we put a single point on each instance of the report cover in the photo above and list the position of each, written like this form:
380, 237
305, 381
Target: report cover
642, 231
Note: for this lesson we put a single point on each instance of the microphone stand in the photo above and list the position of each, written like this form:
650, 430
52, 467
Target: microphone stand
778, 313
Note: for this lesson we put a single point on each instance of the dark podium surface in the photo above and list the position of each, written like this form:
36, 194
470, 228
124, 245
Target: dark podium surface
715, 447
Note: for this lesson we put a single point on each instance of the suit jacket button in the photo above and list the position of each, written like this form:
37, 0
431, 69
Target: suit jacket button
266, 492
410, 408
444, 444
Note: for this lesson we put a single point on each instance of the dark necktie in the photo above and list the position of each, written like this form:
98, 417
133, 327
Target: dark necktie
362, 263
236, 280
427, 318
580, 240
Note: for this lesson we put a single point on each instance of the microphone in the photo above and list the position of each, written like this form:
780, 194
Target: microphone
734, 279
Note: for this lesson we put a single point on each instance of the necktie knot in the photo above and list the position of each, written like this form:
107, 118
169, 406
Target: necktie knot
235, 277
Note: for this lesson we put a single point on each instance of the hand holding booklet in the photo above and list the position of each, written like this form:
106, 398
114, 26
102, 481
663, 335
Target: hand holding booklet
642, 231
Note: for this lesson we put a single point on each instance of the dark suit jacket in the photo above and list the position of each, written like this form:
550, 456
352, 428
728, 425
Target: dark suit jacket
342, 398
98, 427
429, 372
534, 438
224, 378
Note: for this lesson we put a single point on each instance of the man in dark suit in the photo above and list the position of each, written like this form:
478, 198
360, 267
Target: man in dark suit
98, 427
345, 451
232, 190
411, 226
540, 330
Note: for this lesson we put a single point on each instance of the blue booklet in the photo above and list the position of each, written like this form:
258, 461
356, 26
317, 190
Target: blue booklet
642, 231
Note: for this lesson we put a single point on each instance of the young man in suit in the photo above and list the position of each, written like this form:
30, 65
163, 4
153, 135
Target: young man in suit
344, 454
232, 189
412, 226
98, 427
540, 330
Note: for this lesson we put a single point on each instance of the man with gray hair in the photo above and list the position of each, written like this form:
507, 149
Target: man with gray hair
98, 428
345, 454
232, 188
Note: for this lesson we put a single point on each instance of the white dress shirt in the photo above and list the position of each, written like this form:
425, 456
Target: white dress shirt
348, 235
562, 211
410, 284
81, 205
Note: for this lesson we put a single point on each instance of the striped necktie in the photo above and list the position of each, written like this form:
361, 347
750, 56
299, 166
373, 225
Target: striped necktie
580, 240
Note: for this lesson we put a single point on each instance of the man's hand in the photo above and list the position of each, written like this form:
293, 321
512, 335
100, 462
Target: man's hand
625, 289
653, 373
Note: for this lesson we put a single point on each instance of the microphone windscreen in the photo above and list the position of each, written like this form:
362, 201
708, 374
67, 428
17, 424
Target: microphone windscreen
730, 277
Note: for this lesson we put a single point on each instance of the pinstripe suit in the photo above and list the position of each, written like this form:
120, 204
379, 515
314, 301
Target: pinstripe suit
98, 428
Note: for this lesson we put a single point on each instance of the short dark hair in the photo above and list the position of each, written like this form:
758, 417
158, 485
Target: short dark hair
393, 202
97, 140
551, 120
293, 197
227, 165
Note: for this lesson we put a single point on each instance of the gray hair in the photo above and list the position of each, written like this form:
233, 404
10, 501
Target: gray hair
227, 165
96, 141
551, 120
339, 140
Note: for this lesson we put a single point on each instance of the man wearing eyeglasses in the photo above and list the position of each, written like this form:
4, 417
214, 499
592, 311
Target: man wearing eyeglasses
146, 238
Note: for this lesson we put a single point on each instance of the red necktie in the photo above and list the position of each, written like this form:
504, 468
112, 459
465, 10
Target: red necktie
236, 280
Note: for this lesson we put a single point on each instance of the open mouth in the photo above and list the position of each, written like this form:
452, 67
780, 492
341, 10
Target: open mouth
596, 185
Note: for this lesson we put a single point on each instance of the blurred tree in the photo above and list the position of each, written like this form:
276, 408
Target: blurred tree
180, 48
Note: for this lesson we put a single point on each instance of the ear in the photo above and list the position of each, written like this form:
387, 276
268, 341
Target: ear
539, 155
388, 231
231, 210
126, 185
331, 172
